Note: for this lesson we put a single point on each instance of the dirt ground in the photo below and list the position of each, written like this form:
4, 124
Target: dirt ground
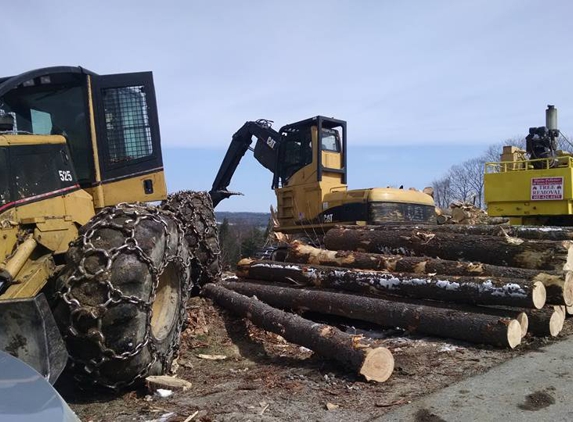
265, 378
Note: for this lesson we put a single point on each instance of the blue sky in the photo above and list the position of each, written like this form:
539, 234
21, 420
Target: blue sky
422, 84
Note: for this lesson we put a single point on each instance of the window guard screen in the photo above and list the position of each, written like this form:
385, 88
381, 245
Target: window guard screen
127, 124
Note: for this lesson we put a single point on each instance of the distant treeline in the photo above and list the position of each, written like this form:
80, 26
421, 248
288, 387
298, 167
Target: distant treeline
257, 219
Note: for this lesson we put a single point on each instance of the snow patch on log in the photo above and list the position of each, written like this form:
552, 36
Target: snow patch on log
277, 266
448, 285
542, 229
510, 289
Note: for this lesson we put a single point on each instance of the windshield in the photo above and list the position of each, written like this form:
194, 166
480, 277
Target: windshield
53, 109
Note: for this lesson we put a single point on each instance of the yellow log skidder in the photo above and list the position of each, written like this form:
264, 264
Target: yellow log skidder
87, 269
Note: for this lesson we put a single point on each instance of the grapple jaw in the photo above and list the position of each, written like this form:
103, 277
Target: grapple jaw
29, 332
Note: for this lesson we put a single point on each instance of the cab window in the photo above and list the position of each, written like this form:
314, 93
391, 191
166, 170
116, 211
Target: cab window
330, 140
297, 153
55, 105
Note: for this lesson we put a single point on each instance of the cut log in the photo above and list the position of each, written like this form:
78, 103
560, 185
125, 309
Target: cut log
495, 250
375, 364
559, 288
474, 290
546, 322
442, 322
502, 230
523, 320
507, 312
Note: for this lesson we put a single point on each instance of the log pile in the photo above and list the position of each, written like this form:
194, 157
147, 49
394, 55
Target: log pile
482, 284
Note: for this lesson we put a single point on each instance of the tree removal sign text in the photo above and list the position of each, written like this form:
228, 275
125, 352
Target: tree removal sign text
546, 188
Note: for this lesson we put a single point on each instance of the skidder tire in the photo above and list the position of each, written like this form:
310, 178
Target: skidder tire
195, 210
120, 303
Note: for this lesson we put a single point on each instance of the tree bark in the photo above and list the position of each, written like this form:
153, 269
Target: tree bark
475, 290
442, 322
501, 230
559, 287
495, 250
374, 364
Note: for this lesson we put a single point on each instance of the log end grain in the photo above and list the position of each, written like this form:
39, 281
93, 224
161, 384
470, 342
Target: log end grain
378, 364
568, 288
513, 333
569, 263
556, 322
539, 294
242, 267
523, 322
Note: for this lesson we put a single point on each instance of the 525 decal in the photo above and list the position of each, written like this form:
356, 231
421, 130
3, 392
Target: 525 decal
65, 175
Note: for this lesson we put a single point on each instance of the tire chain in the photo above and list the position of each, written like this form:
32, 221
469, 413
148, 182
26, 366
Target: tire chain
195, 210
88, 371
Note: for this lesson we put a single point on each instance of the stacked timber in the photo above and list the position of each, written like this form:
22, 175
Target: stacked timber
558, 286
542, 254
458, 289
435, 242
445, 322
482, 284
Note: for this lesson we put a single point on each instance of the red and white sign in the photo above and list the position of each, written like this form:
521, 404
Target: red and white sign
546, 188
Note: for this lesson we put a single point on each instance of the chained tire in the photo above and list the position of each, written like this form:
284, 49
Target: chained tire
120, 301
195, 210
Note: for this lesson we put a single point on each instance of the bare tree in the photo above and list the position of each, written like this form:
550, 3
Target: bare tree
442, 192
475, 170
493, 152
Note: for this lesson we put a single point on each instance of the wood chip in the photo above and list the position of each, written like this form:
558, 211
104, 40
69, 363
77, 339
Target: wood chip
190, 417
395, 403
165, 382
332, 406
212, 357
264, 406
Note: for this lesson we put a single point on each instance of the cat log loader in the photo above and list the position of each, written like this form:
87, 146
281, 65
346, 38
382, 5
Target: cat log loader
308, 160
87, 269
532, 186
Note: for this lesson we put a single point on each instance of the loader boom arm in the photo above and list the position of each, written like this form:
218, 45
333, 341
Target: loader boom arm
265, 151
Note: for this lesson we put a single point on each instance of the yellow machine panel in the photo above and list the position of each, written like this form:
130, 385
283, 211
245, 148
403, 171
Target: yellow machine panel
130, 190
532, 186
526, 194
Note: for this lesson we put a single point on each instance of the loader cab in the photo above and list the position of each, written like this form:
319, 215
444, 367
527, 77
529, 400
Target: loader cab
311, 164
109, 123
318, 143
